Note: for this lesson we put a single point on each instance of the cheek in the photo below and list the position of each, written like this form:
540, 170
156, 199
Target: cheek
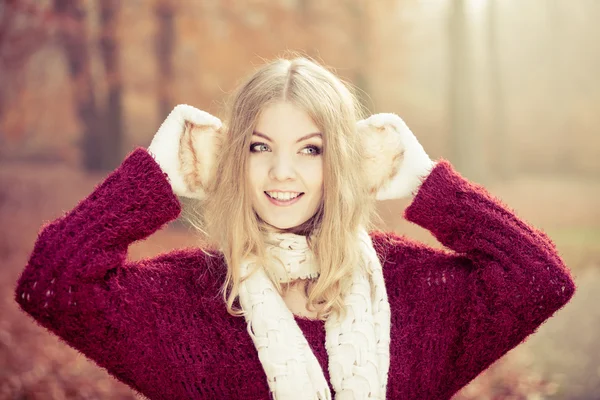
320, 184
256, 174
316, 176
313, 178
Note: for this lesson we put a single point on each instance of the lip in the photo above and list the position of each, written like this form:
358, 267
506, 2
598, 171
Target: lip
281, 203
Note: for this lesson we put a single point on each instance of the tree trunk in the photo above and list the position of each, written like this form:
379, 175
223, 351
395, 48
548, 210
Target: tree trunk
24, 29
109, 49
102, 132
165, 42
503, 153
74, 40
466, 148
360, 13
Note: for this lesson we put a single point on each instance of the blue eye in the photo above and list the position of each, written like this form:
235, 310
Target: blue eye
253, 147
316, 150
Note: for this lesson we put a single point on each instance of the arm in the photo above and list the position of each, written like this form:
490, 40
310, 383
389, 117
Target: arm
502, 279
89, 244
78, 283
456, 311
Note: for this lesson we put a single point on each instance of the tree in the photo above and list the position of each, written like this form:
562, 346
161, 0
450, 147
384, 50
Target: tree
359, 13
111, 140
73, 38
24, 29
504, 154
164, 11
102, 130
466, 149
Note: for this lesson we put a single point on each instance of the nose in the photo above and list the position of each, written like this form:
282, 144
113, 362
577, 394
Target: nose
282, 168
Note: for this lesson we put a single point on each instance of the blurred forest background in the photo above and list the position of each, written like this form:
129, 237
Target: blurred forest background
507, 90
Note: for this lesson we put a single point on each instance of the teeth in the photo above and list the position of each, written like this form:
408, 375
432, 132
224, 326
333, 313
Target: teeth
283, 195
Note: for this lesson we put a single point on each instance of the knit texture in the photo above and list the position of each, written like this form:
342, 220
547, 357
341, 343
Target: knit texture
357, 343
160, 325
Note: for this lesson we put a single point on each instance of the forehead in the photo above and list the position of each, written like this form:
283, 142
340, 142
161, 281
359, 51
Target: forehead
284, 120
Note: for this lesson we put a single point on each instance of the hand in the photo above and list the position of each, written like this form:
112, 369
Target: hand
396, 163
185, 147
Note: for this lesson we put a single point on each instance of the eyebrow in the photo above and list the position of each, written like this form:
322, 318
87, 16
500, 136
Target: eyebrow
310, 135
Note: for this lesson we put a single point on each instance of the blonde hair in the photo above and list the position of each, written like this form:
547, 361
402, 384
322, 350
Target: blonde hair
227, 216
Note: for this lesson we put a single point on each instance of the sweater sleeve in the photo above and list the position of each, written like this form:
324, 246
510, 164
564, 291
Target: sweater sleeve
78, 282
500, 281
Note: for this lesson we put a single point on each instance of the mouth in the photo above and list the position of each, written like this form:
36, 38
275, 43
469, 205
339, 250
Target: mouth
284, 202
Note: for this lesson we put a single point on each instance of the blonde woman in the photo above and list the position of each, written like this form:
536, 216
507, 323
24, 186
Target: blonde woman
294, 297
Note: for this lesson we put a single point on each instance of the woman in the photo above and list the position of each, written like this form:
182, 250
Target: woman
286, 192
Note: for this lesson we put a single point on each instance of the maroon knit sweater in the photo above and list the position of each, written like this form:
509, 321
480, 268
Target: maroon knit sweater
160, 324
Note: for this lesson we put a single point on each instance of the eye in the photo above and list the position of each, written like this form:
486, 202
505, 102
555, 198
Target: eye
314, 150
258, 147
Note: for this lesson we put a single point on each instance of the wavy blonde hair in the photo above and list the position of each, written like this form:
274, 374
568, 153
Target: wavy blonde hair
228, 219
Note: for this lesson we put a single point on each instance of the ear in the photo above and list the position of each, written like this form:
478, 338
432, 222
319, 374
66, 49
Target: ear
200, 144
395, 161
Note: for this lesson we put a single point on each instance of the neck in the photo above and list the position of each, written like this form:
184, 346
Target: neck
289, 257
306, 228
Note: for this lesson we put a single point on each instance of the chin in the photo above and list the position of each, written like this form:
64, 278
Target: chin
284, 226
304, 227
291, 226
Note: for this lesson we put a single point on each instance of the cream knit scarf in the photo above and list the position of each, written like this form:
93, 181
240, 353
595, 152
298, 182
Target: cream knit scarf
358, 345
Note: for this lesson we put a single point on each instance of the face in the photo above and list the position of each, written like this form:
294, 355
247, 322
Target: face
286, 166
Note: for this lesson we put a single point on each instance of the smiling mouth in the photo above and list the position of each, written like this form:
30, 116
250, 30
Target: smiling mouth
291, 198
282, 202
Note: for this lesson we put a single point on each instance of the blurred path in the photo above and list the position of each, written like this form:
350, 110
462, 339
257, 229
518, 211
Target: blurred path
567, 347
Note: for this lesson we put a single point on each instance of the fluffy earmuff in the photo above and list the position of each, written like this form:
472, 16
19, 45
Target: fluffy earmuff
199, 146
395, 161
185, 146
